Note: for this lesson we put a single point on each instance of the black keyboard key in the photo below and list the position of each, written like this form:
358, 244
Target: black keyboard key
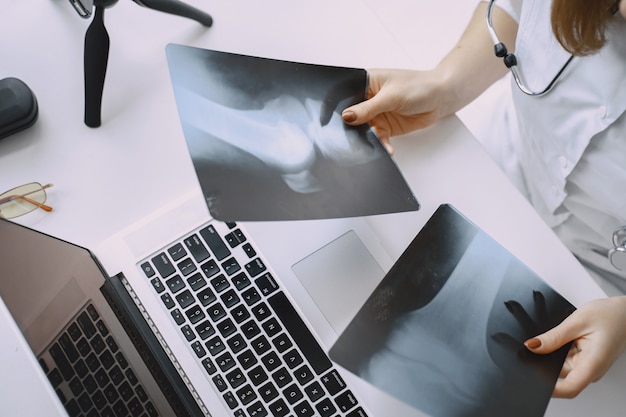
93, 314
68, 347
236, 343
240, 313
163, 264
246, 394
168, 301
357, 412
271, 327
231, 401
198, 349
185, 299
236, 378
240, 281
61, 361
292, 358
282, 342
257, 375
102, 378
279, 408
260, 345
210, 268
147, 269
225, 361
325, 408
231, 266
247, 359
74, 331
205, 330
175, 284
226, 328
266, 284
215, 345
102, 328
302, 336
97, 344
220, 283
268, 392
261, 311
293, 394
197, 248
121, 360
333, 382
257, 410
230, 298
178, 316
250, 329
206, 296
195, 314
255, 267
106, 359
220, 383
209, 366
304, 409
303, 374
86, 325
188, 333
177, 252
216, 312
251, 296
345, 401
196, 281
55, 377
249, 250
157, 285
116, 375
314, 391
282, 377
271, 361
235, 238
186, 267
215, 242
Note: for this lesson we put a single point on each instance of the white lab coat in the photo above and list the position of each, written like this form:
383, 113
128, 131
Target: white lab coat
566, 151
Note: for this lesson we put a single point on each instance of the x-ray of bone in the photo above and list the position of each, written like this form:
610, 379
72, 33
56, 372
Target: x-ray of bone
444, 330
268, 143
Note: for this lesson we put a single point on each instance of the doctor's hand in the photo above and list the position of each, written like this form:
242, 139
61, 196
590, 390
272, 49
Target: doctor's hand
598, 333
401, 101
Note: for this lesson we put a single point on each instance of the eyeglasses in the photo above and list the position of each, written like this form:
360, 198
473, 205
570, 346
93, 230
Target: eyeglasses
23, 199
510, 60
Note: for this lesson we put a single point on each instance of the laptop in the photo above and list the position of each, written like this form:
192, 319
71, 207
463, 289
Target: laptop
183, 314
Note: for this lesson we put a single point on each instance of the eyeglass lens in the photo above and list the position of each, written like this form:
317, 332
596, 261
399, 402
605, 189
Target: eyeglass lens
23, 199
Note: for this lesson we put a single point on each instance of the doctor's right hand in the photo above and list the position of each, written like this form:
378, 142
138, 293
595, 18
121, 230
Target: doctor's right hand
598, 330
401, 101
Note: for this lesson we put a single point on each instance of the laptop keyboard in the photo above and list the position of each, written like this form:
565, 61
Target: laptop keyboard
244, 331
90, 374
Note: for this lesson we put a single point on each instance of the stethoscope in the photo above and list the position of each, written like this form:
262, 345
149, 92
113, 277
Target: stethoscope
510, 60
617, 255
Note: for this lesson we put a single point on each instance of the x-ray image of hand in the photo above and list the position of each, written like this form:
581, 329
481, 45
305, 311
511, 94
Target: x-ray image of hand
527, 317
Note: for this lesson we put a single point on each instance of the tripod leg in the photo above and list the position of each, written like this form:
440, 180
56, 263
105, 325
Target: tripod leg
95, 63
178, 8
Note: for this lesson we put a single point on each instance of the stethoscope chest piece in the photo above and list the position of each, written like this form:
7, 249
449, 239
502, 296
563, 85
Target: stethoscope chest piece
617, 255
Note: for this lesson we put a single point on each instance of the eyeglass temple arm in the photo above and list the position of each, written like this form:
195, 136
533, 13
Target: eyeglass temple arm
31, 201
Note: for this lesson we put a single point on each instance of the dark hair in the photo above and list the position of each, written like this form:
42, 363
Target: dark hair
580, 25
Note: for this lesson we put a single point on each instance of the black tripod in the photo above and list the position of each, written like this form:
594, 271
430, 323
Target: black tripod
96, 53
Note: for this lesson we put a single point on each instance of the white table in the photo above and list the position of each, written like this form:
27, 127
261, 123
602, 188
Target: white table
106, 178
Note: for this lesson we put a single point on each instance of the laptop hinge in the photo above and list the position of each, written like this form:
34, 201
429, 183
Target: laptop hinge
168, 374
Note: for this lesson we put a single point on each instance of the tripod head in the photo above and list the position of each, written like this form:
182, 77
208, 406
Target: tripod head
97, 43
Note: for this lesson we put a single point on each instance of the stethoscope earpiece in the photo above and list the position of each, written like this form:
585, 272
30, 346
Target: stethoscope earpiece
617, 255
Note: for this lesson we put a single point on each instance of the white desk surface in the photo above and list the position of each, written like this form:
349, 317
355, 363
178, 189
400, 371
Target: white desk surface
105, 178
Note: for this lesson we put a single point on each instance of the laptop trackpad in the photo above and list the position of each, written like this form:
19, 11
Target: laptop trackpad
340, 277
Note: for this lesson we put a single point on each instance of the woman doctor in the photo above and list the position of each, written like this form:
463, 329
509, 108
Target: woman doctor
561, 139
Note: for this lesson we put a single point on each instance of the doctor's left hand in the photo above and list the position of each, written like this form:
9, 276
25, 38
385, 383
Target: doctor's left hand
598, 333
